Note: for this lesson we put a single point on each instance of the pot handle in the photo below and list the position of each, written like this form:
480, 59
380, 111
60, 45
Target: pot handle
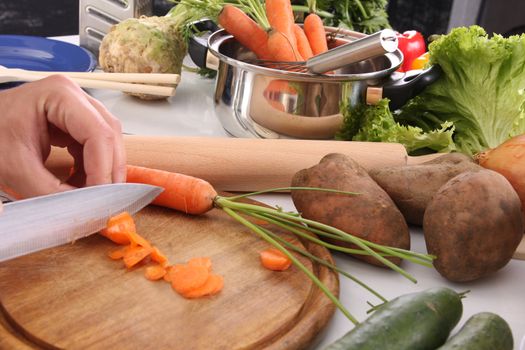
399, 91
198, 45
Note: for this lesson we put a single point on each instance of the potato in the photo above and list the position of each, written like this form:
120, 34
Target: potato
473, 224
412, 186
371, 215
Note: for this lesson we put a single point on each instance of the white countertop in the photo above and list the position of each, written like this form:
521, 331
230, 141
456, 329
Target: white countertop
191, 113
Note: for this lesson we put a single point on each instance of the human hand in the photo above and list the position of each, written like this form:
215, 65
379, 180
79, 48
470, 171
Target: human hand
56, 111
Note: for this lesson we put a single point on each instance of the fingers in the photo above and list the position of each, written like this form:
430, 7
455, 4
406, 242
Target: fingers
55, 111
119, 152
30, 178
92, 126
78, 177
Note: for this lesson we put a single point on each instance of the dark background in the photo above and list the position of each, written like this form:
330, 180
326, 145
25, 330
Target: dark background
60, 17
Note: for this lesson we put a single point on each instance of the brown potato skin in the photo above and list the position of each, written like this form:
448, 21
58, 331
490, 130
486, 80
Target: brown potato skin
371, 215
411, 187
473, 225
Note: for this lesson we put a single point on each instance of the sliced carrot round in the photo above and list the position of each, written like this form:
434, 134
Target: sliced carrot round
188, 277
155, 272
273, 259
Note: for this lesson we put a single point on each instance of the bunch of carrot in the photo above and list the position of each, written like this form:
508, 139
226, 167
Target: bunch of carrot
275, 35
191, 280
196, 196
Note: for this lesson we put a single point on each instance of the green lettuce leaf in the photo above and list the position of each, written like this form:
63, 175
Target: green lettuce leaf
377, 124
481, 91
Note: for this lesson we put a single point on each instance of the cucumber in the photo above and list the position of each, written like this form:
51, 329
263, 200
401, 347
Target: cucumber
484, 330
421, 320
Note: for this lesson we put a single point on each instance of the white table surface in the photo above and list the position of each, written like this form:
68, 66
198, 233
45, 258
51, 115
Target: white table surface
191, 113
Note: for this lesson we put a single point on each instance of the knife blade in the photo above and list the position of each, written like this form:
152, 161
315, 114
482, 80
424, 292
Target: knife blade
34, 224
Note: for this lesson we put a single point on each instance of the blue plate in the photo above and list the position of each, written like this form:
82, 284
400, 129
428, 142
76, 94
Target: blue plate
42, 54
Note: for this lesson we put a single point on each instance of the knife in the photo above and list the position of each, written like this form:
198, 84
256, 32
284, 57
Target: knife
34, 224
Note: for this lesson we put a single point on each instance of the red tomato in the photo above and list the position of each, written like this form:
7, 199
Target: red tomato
412, 45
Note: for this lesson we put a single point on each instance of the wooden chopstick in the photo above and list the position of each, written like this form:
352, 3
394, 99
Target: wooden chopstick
104, 84
146, 78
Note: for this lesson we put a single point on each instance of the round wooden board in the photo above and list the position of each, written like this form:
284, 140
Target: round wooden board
75, 297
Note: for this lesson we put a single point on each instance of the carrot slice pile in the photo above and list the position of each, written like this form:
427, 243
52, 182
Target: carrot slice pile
135, 255
191, 280
212, 286
119, 253
158, 257
195, 279
273, 259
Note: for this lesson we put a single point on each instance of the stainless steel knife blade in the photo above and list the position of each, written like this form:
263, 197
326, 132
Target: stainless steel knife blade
30, 225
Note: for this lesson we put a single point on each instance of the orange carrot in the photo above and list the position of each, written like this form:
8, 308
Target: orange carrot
213, 285
119, 227
281, 47
181, 192
302, 43
316, 34
135, 255
280, 15
155, 272
281, 18
247, 32
274, 259
188, 277
158, 257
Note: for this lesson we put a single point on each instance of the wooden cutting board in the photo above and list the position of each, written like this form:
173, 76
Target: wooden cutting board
75, 297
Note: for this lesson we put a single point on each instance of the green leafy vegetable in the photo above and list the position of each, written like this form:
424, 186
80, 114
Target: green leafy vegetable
377, 124
481, 91
367, 16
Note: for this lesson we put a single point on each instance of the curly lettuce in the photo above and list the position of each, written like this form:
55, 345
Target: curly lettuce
481, 90
377, 124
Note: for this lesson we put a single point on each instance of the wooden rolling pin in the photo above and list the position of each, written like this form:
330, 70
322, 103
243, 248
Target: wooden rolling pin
240, 165
244, 165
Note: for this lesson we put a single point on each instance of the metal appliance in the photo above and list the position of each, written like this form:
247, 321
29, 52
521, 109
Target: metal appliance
97, 17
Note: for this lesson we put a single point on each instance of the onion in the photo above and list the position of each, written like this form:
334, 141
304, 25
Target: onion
508, 159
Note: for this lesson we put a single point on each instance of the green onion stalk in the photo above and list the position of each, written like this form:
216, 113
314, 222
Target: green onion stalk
310, 230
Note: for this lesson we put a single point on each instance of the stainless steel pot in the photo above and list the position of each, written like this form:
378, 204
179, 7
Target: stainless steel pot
254, 101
